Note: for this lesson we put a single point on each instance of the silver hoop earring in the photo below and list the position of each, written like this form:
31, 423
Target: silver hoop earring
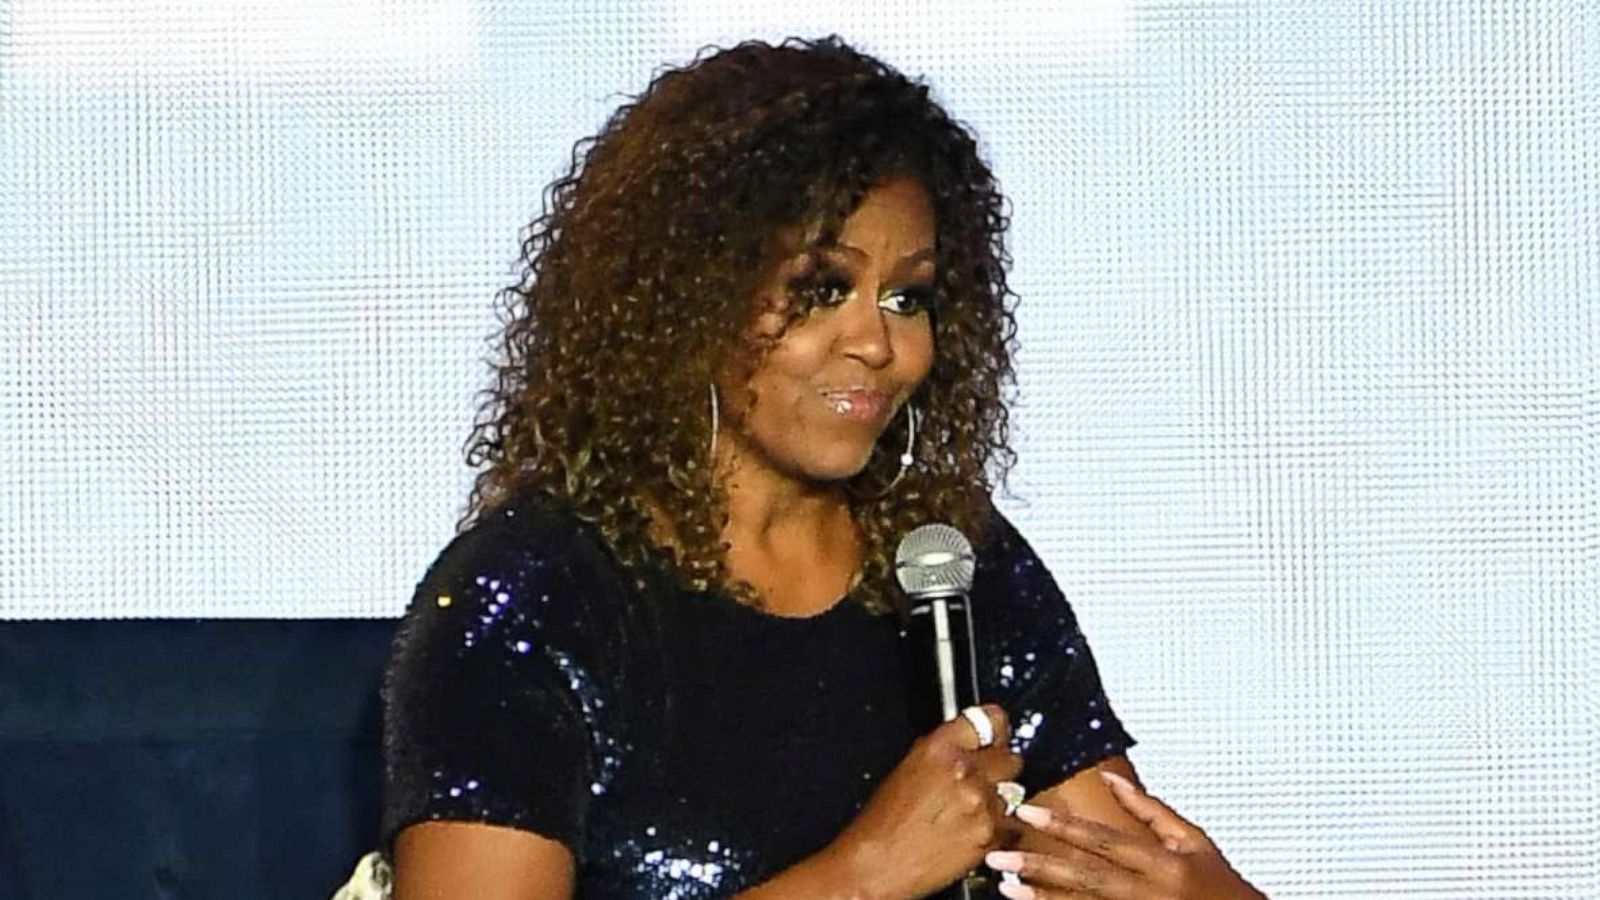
713, 423
906, 458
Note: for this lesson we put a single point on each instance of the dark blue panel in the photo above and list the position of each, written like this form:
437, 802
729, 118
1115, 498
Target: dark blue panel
184, 758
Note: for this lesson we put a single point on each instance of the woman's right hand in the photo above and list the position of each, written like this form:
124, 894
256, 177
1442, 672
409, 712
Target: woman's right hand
934, 816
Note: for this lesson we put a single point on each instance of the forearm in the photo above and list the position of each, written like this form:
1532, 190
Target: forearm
828, 875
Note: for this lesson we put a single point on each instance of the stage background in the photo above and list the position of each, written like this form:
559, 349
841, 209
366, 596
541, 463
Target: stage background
1308, 414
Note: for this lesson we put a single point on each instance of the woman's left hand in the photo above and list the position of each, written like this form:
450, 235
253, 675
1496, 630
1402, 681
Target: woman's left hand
1103, 862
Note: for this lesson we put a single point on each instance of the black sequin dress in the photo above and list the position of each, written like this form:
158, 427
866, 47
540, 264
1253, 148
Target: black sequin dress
684, 745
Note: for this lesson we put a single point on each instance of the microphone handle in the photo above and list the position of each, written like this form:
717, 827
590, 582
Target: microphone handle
955, 655
955, 684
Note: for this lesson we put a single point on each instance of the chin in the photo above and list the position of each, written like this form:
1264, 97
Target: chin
841, 468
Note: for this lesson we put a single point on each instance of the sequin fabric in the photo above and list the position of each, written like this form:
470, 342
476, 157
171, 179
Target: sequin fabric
680, 744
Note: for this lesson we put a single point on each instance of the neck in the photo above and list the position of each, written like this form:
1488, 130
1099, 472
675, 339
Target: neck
767, 513
795, 541
774, 514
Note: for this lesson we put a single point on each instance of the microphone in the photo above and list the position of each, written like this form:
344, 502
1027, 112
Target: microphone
934, 565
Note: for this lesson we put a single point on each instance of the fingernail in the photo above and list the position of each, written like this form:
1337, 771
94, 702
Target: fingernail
1033, 815
1116, 780
1004, 860
1016, 890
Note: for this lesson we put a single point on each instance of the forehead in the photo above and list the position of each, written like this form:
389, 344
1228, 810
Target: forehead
895, 216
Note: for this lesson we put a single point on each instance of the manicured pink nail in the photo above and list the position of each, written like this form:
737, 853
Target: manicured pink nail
1037, 816
1016, 890
1004, 860
1113, 778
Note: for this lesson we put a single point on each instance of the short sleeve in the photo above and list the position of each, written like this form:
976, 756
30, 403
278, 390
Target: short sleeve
1039, 666
484, 695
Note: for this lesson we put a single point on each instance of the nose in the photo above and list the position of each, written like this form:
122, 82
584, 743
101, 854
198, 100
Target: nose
864, 328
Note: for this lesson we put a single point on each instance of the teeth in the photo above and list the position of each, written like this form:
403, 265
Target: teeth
842, 405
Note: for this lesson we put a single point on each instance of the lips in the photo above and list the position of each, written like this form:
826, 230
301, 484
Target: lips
858, 404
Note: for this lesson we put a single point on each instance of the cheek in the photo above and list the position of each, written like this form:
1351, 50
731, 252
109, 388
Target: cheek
787, 410
777, 387
792, 365
916, 350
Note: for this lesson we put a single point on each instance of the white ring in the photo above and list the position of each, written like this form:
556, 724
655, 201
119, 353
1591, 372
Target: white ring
981, 724
1012, 793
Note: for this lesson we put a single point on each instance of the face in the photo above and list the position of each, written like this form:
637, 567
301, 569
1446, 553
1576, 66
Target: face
834, 381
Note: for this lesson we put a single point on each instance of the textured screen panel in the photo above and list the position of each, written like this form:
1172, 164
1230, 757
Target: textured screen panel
1309, 411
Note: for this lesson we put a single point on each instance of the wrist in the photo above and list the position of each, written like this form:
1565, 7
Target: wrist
839, 871
854, 872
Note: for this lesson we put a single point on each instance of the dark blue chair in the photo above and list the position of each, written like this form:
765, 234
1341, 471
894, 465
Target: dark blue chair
176, 758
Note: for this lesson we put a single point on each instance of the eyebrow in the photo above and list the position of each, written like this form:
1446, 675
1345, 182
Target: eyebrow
926, 254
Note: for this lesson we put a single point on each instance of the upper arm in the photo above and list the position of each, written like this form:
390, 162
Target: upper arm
1062, 720
1044, 673
488, 762
1084, 794
449, 860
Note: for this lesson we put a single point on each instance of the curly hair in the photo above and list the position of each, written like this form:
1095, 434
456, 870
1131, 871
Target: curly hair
648, 259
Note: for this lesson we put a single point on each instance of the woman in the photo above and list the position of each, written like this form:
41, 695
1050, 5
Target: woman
761, 336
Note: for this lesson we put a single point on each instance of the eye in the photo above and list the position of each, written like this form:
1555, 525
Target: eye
910, 301
833, 289
822, 287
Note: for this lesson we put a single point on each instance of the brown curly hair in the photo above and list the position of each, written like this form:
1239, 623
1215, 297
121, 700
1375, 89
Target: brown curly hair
643, 271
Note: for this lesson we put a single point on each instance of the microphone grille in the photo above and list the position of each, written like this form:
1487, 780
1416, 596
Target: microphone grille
934, 560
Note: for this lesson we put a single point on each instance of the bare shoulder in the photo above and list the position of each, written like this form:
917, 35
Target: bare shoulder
439, 860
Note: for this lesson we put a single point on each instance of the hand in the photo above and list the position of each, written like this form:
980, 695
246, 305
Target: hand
934, 815
1106, 863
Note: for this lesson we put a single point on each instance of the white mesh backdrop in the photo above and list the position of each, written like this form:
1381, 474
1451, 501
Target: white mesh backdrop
1309, 406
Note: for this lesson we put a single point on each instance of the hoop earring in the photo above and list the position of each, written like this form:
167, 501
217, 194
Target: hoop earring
714, 424
907, 459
